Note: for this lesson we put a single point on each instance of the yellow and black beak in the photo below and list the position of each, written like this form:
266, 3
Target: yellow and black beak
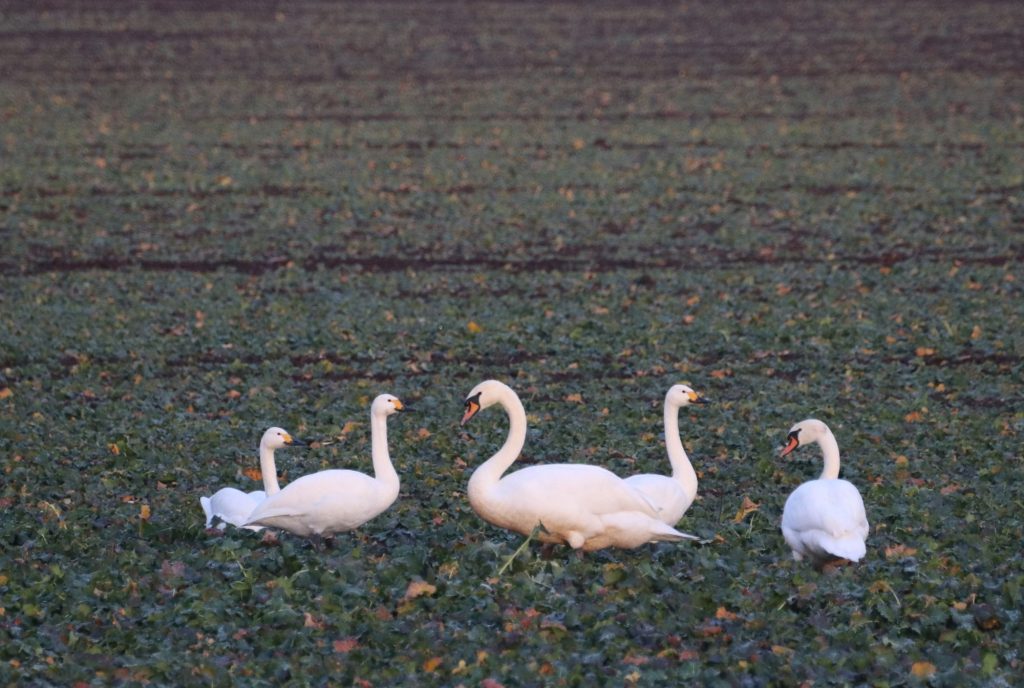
793, 443
399, 406
292, 442
698, 399
472, 408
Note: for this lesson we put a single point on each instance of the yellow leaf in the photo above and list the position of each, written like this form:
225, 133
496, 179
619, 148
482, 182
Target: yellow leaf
145, 512
922, 669
724, 372
418, 588
748, 507
578, 144
923, 351
431, 664
253, 473
473, 327
575, 397
114, 449
6, 393
913, 417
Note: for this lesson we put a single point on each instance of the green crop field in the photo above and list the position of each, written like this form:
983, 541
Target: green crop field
221, 216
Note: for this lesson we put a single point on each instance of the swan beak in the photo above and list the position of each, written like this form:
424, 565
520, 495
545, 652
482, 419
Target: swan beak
399, 406
292, 442
471, 410
697, 399
790, 446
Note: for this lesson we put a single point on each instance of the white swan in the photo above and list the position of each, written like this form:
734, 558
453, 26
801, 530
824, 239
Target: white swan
823, 519
337, 500
586, 507
672, 495
230, 505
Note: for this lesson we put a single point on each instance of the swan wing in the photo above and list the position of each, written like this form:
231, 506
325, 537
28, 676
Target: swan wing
324, 502
579, 486
826, 516
230, 505
666, 495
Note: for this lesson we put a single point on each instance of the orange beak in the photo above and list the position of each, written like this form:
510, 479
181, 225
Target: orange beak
471, 409
793, 444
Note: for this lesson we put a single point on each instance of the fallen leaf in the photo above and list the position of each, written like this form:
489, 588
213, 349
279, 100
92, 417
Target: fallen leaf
748, 507
724, 372
913, 417
418, 588
345, 645
312, 622
576, 397
922, 669
6, 393
473, 328
491, 683
253, 473
923, 351
431, 664
725, 614
899, 551
144, 512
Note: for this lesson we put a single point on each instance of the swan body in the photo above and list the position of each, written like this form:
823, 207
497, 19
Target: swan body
231, 505
586, 507
823, 519
672, 495
336, 501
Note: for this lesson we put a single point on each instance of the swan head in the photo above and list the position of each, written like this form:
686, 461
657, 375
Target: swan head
487, 393
386, 405
681, 395
276, 438
805, 432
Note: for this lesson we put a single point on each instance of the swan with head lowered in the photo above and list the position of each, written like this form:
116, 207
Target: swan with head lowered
823, 519
585, 507
231, 505
338, 500
672, 495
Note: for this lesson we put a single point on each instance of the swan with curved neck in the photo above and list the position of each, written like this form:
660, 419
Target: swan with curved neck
585, 507
823, 519
672, 495
337, 500
231, 505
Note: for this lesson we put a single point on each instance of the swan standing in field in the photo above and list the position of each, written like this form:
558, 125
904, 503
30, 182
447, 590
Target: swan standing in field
823, 519
672, 496
230, 505
336, 501
586, 507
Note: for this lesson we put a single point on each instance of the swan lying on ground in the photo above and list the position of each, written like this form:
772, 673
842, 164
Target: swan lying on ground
231, 505
338, 500
672, 496
586, 507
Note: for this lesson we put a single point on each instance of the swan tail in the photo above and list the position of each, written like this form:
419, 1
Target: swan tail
666, 533
850, 547
207, 509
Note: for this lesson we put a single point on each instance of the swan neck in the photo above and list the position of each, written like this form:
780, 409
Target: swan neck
269, 470
830, 451
383, 470
489, 473
682, 469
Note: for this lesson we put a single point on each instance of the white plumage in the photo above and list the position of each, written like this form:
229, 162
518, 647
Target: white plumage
586, 507
823, 519
336, 501
672, 495
231, 505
